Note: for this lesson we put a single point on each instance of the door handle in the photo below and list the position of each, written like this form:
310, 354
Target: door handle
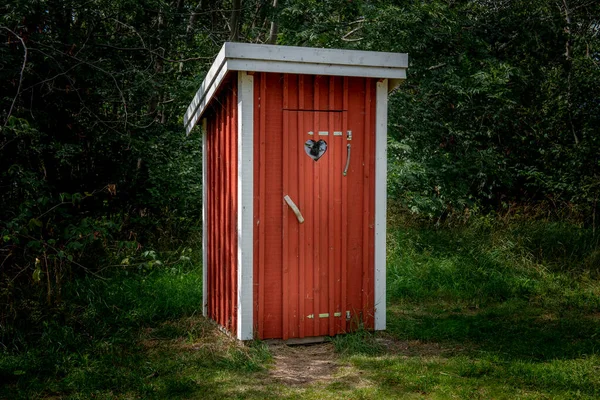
347, 160
294, 208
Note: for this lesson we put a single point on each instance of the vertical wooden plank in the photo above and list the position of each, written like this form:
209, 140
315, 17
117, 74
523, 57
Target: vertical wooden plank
209, 225
233, 218
215, 207
215, 189
299, 137
366, 200
292, 92
332, 210
293, 223
224, 211
344, 225
231, 270
354, 181
370, 282
225, 216
317, 218
242, 270
311, 220
339, 93
274, 206
263, 219
205, 287
340, 161
286, 210
215, 220
256, 201
221, 245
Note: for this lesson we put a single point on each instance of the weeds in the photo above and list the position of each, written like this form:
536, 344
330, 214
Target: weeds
361, 342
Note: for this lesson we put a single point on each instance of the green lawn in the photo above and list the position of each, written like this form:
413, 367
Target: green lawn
488, 310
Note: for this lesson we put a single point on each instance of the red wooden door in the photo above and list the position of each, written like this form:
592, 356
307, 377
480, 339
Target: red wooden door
315, 149
308, 276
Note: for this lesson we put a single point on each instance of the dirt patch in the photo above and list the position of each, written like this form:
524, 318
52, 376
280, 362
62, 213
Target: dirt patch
302, 365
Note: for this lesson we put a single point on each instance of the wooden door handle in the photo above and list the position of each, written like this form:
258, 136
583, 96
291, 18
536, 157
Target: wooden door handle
294, 208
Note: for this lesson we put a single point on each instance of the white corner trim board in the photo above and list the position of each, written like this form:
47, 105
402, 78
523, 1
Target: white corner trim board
245, 199
381, 108
295, 60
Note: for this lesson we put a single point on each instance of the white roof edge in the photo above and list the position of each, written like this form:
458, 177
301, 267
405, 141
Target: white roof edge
312, 55
291, 59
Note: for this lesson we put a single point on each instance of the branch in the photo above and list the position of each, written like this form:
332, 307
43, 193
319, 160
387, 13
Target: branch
345, 37
436, 66
20, 76
69, 202
112, 76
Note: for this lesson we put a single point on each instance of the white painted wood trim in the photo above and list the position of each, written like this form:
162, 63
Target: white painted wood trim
316, 69
245, 229
380, 203
209, 80
290, 59
202, 99
204, 224
313, 55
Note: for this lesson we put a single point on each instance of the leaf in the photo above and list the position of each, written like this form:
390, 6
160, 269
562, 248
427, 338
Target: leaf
33, 222
37, 275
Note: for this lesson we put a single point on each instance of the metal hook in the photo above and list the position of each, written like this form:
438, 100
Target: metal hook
347, 161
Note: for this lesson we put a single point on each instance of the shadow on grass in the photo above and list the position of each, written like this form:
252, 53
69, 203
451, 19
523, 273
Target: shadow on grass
514, 310
512, 330
508, 350
131, 336
203, 363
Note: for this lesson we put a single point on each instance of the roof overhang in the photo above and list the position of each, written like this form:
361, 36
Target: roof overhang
292, 60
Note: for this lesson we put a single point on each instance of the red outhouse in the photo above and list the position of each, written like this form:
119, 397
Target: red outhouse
294, 188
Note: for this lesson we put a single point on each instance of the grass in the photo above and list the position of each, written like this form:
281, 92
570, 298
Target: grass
487, 310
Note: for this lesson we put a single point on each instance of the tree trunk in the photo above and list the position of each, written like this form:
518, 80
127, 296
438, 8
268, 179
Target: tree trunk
235, 20
193, 18
274, 26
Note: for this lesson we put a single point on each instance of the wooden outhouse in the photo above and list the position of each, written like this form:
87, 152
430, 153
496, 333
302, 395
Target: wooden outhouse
294, 188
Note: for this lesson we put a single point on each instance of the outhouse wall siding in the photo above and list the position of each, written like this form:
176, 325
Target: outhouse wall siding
283, 293
222, 241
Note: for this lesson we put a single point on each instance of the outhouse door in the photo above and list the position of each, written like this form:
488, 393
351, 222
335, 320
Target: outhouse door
319, 165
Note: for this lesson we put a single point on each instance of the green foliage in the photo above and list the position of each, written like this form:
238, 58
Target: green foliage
500, 101
490, 260
94, 166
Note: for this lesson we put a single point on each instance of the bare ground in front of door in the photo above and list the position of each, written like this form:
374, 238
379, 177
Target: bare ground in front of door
302, 365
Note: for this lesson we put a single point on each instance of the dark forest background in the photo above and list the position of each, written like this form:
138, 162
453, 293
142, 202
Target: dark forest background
499, 116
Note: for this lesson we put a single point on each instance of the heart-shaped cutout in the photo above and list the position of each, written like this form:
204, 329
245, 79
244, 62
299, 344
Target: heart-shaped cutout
315, 150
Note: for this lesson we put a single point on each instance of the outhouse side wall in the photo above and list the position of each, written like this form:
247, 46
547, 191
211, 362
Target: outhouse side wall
221, 207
